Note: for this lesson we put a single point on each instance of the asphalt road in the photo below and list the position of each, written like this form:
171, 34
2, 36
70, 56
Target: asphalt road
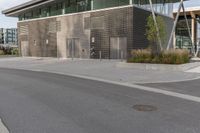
187, 87
37, 102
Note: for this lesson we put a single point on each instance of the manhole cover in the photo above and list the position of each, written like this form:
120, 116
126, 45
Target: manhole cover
144, 108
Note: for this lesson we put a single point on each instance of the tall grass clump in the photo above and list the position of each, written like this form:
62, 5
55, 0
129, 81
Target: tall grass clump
178, 56
141, 55
1, 52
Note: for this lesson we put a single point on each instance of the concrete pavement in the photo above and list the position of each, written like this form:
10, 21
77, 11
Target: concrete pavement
194, 70
106, 69
45, 102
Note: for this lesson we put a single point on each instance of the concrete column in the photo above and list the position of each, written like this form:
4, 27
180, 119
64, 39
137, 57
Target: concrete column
174, 41
194, 28
92, 4
130, 2
63, 8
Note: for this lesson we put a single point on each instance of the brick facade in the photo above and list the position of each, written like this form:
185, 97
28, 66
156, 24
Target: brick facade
92, 29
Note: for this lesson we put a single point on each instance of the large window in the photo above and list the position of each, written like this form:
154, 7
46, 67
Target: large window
99, 4
28, 15
72, 6
36, 13
44, 11
160, 6
183, 39
83, 5
56, 9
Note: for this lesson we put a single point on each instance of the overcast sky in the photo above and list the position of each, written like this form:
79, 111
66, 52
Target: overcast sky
7, 22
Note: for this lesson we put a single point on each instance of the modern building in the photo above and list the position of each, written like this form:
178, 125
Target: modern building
8, 36
187, 38
1, 36
107, 29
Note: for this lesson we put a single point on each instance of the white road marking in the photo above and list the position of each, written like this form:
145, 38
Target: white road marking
144, 88
3, 129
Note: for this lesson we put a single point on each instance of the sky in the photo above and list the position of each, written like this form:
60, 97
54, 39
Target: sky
7, 22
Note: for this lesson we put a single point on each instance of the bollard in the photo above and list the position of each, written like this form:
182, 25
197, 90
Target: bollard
72, 52
122, 54
100, 55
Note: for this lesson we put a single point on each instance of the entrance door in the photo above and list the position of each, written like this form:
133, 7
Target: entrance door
118, 47
24, 48
73, 48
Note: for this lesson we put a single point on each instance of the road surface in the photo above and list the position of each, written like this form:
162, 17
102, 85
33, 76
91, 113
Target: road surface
38, 102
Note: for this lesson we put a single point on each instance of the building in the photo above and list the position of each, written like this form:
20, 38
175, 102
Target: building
8, 36
1, 36
188, 37
107, 29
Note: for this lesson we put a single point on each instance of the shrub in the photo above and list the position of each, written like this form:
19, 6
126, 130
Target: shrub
15, 51
1, 52
165, 57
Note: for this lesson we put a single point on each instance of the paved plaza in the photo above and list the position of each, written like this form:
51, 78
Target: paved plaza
105, 69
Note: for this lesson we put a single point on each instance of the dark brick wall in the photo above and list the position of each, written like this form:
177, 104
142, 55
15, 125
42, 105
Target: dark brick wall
139, 28
127, 22
117, 23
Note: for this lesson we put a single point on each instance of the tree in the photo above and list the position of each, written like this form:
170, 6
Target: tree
151, 32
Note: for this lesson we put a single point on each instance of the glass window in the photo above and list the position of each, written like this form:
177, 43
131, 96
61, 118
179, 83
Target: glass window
160, 6
59, 8
72, 7
44, 12
21, 17
36, 13
53, 10
28, 15
83, 5
99, 4
182, 35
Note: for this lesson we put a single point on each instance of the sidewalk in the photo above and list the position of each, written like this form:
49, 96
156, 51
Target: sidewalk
105, 69
194, 70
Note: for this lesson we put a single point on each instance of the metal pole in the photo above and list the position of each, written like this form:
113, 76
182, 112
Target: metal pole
73, 49
100, 55
174, 26
122, 55
156, 24
196, 54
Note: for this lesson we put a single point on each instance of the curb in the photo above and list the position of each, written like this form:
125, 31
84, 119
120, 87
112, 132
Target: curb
3, 128
158, 67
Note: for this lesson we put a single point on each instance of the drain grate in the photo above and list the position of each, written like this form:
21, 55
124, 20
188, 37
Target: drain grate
144, 108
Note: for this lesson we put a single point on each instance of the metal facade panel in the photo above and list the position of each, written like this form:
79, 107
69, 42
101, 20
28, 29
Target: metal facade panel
42, 43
